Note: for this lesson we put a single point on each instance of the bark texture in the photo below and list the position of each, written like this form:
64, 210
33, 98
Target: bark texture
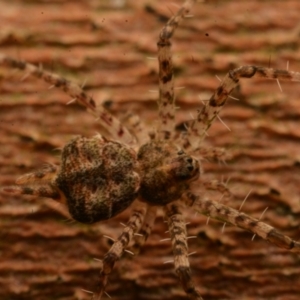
106, 44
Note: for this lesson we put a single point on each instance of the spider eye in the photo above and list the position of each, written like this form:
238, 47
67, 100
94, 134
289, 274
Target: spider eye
187, 168
189, 160
190, 168
180, 152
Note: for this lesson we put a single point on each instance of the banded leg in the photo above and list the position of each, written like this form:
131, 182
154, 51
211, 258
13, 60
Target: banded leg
218, 186
226, 214
137, 127
38, 184
166, 105
178, 234
117, 249
209, 112
46, 174
45, 190
141, 237
110, 123
221, 154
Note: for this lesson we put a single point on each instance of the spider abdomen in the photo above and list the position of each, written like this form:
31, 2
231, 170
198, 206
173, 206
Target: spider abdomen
98, 178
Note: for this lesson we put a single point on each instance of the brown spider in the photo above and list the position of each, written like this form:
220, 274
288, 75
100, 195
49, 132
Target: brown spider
101, 176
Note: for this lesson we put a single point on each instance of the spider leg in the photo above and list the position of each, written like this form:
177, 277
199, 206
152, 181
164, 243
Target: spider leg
218, 186
110, 123
45, 190
166, 105
210, 111
143, 234
220, 154
137, 127
117, 249
182, 138
226, 214
177, 228
46, 174
40, 184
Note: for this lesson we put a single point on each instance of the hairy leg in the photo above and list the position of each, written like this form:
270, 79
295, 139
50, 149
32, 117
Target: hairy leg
45, 190
137, 127
47, 174
206, 115
216, 185
177, 229
109, 122
223, 213
37, 183
143, 234
166, 105
117, 249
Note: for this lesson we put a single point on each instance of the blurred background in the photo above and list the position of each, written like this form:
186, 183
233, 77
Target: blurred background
107, 46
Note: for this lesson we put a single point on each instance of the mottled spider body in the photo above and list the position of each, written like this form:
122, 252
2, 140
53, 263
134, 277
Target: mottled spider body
165, 170
99, 177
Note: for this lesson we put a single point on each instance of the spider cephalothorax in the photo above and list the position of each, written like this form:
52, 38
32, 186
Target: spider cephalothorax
99, 177
165, 170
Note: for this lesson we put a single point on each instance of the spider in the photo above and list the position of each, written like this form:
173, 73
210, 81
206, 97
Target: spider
101, 176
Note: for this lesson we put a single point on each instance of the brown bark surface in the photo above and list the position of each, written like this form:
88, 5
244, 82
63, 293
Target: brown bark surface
106, 44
